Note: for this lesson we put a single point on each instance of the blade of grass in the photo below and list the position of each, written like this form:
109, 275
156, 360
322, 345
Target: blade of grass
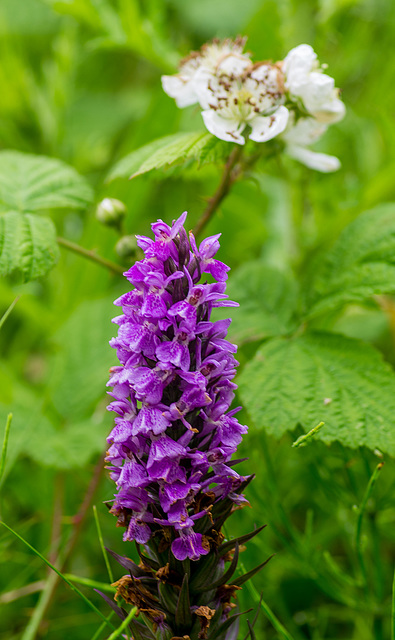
5, 444
45, 599
8, 311
61, 575
15, 594
104, 552
102, 626
393, 611
123, 625
90, 583
267, 610
31, 629
362, 509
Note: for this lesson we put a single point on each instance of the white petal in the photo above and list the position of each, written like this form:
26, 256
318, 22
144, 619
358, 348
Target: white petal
205, 85
331, 112
267, 127
318, 161
269, 75
317, 89
223, 128
181, 89
299, 62
304, 132
233, 64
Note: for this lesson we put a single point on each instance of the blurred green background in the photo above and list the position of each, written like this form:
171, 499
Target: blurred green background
81, 82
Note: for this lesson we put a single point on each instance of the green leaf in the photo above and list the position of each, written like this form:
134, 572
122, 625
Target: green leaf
31, 183
183, 616
79, 369
34, 435
324, 377
220, 631
360, 264
250, 574
5, 444
70, 447
230, 544
170, 150
29, 425
27, 245
267, 299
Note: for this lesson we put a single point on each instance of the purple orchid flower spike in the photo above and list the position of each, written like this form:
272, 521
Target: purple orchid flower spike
170, 451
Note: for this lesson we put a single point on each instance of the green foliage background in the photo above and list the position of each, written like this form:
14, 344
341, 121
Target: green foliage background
81, 85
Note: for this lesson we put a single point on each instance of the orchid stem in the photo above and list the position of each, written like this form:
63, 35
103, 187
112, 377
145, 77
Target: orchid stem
229, 176
91, 255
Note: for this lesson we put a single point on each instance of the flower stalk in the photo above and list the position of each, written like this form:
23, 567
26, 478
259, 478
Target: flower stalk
229, 177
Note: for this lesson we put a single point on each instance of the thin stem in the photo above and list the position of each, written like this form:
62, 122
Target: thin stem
358, 530
15, 594
8, 311
229, 176
34, 623
393, 611
123, 625
267, 610
5, 444
102, 626
87, 582
56, 532
59, 573
104, 552
91, 255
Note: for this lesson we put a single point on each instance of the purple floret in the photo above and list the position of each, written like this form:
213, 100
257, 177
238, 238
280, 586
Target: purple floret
174, 433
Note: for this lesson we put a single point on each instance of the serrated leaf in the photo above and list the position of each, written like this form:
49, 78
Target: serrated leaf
67, 448
34, 435
320, 376
360, 264
31, 183
27, 245
267, 299
27, 423
170, 150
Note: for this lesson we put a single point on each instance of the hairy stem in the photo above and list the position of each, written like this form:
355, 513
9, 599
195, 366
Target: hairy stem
91, 255
229, 176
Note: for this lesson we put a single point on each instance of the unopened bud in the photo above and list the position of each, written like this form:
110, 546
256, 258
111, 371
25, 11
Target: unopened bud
126, 247
110, 211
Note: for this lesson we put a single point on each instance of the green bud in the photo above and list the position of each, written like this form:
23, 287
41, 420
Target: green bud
126, 247
110, 211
